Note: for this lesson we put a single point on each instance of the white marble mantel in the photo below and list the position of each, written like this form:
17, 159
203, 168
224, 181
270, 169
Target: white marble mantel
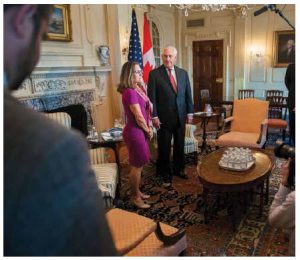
51, 88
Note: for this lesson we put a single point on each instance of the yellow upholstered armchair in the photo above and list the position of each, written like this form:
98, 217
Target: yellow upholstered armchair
136, 235
249, 124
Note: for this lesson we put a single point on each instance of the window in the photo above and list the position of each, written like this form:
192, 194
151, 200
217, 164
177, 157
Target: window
155, 43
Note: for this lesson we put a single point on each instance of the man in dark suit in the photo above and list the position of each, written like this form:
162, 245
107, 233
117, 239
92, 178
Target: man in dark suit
52, 205
290, 84
170, 92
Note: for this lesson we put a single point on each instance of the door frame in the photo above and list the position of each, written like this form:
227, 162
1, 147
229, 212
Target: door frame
219, 43
228, 87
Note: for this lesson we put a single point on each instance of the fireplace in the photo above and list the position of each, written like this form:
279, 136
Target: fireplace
52, 88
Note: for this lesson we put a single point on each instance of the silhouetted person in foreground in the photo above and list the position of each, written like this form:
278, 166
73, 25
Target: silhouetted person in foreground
52, 205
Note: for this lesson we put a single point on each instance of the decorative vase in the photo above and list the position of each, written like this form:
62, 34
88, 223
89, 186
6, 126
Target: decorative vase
103, 51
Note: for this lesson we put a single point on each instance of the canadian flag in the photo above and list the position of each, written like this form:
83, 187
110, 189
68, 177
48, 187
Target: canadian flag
148, 55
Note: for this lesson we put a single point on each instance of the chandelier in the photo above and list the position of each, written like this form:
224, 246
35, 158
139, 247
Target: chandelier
242, 9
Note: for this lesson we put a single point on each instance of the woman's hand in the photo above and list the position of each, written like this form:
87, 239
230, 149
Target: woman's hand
285, 172
150, 133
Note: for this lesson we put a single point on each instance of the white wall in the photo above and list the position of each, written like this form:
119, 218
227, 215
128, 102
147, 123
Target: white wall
89, 31
260, 73
217, 26
94, 25
76, 61
240, 35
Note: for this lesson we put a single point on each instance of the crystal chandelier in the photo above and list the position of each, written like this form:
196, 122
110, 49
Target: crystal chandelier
212, 7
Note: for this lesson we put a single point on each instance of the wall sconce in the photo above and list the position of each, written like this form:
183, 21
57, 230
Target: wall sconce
125, 51
256, 53
125, 43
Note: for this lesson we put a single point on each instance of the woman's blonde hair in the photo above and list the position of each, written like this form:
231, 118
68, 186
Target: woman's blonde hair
125, 78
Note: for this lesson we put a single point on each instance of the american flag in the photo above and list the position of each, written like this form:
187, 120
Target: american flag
135, 51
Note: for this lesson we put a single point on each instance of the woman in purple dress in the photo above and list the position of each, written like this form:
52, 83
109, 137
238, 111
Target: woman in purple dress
137, 131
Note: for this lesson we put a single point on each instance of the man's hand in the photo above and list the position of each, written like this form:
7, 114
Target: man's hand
189, 119
156, 123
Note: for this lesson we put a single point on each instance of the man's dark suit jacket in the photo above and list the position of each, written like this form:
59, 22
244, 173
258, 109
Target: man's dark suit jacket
167, 105
52, 205
290, 84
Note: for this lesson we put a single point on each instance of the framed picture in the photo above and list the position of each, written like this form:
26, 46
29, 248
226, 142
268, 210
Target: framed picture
284, 48
59, 27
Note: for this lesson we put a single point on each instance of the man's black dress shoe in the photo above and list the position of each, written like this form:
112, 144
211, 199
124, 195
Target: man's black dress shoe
167, 182
181, 175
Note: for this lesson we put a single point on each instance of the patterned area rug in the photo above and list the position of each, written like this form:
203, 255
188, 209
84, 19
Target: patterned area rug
181, 206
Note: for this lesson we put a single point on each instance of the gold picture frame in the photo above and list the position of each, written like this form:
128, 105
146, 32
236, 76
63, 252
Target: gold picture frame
60, 26
283, 48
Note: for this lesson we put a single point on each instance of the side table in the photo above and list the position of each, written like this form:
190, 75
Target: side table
205, 117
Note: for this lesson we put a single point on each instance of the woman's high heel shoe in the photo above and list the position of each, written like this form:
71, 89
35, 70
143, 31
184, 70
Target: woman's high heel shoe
145, 196
141, 204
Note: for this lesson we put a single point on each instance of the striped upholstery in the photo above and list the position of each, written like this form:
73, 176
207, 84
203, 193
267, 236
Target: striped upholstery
97, 155
61, 118
106, 175
190, 142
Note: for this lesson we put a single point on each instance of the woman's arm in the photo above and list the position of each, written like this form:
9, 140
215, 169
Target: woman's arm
139, 118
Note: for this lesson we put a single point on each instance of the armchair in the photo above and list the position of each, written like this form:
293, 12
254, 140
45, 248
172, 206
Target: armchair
135, 235
190, 143
60, 117
106, 175
249, 124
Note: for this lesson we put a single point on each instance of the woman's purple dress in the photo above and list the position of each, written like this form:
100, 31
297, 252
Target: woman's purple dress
133, 135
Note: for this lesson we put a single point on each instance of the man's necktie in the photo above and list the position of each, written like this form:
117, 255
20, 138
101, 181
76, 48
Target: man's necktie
172, 80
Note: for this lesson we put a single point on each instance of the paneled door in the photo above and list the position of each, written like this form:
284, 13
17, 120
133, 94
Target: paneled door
207, 70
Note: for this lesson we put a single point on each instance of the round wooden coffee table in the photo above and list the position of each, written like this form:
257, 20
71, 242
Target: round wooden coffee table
216, 179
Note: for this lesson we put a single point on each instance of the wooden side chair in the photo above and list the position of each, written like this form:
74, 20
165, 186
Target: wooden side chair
273, 93
277, 114
215, 104
246, 93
